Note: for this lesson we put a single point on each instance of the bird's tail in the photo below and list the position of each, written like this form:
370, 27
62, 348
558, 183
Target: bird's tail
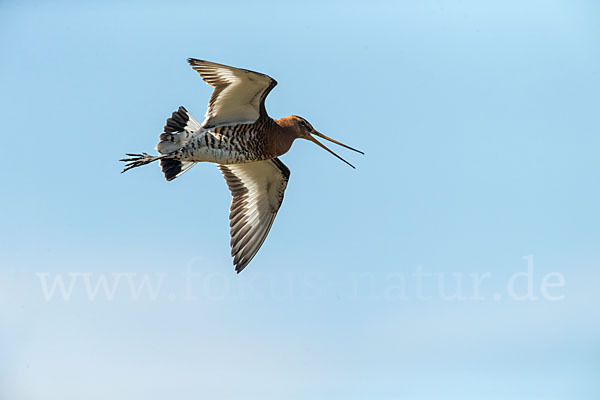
177, 132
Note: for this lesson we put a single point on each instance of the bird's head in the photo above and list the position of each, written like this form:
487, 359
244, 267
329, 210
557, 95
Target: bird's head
304, 130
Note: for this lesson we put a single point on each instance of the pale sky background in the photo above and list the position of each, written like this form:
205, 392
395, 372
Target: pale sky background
481, 127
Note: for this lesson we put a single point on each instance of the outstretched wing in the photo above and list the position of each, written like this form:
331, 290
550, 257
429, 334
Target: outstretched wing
257, 189
239, 95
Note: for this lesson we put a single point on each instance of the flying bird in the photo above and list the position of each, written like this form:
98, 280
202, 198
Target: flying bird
238, 135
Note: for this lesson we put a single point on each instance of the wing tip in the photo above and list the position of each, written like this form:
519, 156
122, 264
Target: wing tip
240, 268
194, 61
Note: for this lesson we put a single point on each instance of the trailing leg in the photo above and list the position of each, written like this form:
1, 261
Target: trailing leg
177, 133
137, 160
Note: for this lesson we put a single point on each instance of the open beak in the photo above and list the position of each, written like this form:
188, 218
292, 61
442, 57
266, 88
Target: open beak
312, 139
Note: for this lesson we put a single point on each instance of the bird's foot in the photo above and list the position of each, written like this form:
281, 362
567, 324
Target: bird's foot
137, 160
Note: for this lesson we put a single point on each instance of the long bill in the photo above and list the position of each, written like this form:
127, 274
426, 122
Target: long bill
319, 134
331, 151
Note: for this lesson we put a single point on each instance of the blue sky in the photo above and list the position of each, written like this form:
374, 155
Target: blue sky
480, 125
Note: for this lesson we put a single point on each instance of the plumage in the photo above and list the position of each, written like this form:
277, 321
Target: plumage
239, 136
239, 95
257, 189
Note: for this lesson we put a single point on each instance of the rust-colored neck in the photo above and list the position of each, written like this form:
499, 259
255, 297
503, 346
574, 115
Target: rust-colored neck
282, 135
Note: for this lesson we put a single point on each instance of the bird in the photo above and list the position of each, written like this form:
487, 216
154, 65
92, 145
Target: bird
245, 143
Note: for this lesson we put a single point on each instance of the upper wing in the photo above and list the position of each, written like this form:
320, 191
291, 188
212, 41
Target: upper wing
257, 189
239, 95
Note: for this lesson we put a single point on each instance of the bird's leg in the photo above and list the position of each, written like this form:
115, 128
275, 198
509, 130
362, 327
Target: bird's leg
137, 160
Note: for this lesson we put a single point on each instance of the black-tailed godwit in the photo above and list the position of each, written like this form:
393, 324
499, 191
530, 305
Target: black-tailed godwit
240, 137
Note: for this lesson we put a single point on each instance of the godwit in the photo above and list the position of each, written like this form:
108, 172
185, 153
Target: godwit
240, 137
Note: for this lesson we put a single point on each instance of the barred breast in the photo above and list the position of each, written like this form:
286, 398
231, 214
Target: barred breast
230, 144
